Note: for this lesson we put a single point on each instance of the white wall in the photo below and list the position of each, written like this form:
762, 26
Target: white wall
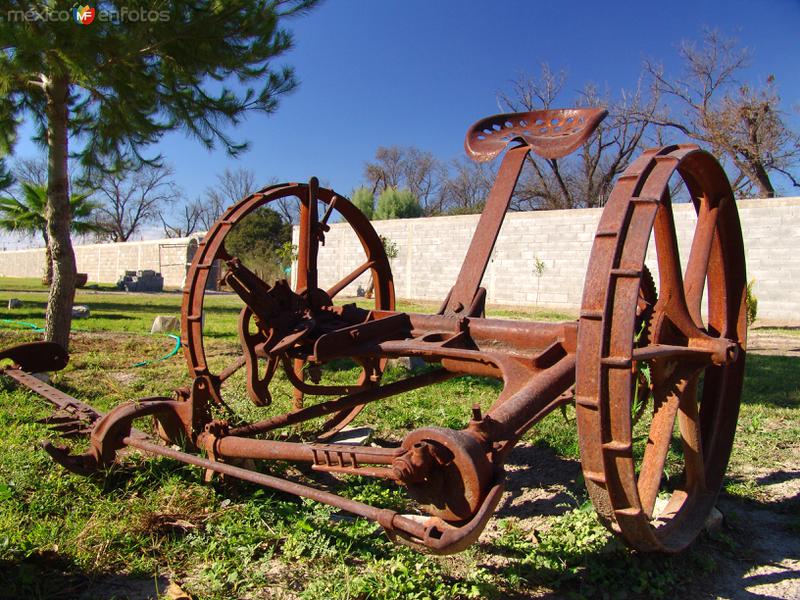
430, 252
106, 263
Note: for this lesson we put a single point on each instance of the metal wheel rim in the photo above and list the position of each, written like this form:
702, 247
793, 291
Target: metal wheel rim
212, 245
605, 348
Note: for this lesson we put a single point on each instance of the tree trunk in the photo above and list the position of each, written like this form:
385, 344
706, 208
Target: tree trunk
762, 181
62, 291
48, 260
757, 175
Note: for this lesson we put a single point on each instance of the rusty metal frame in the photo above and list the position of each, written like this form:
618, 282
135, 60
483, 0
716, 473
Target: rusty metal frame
457, 476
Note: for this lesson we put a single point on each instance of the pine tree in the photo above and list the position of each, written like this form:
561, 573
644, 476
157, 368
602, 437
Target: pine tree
115, 85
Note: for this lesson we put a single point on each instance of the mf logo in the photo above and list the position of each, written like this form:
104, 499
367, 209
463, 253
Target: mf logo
83, 14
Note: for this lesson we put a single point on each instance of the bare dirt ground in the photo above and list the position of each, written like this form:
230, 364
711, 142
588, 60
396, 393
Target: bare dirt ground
763, 562
768, 566
774, 343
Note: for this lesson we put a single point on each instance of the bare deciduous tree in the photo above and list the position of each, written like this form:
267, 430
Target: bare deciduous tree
408, 168
133, 198
528, 91
584, 179
741, 123
185, 223
466, 190
288, 208
386, 171
31, 170
232, 185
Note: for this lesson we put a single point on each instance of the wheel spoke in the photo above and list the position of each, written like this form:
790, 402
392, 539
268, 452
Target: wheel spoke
248, 286
348, 279
665, 408
308, 245
697, 267
671, 297
662, 351
689, 424
329, 211
222, 253
297, 394
231, 369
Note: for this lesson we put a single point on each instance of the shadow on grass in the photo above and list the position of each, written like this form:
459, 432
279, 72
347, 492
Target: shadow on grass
143, 474
109, 316
540, 483
772, 380
761, 499
30, 311
53, 576
151, 306
756, 546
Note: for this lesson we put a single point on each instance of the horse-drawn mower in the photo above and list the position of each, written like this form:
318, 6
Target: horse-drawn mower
689, 334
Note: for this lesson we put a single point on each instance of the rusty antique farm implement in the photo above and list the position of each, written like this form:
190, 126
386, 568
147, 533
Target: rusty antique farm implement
693, 348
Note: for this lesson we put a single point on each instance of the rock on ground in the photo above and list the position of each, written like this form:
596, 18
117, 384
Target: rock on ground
165, 323
80, 311
409, 363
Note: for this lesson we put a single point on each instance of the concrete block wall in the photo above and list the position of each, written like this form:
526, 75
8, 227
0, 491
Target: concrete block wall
430, 252
106, 263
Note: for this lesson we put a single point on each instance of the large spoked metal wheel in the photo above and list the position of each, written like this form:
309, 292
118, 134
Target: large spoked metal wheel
695, 357
313, 201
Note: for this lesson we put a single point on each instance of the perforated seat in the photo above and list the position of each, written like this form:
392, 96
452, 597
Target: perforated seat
549, 133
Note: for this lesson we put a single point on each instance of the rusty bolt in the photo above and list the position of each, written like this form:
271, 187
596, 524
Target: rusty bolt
414, 465
476, 412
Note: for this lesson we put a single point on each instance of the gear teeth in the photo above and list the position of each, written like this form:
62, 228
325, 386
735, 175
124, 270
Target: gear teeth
648, 296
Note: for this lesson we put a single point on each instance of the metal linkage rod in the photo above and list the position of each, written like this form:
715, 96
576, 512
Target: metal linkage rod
388, 519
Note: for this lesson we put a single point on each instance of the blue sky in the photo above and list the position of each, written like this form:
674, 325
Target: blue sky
414, 72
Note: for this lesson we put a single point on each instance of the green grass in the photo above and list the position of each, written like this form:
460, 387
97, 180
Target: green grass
768, 433
112, 310
32, 284
147, 517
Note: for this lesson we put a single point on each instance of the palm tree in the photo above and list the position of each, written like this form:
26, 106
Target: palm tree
26, 216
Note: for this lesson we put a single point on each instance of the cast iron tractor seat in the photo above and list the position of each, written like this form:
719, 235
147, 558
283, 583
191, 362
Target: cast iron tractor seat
694, 355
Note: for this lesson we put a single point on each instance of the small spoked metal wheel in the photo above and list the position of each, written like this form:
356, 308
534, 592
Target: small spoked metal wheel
695, 355
268, 345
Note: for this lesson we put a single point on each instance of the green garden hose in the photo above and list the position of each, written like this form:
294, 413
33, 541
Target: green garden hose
172, 353
38, 329
22, 323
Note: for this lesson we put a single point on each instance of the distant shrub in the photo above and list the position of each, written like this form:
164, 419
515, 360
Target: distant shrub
389, 247
752, 303
364, 201
397, 204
